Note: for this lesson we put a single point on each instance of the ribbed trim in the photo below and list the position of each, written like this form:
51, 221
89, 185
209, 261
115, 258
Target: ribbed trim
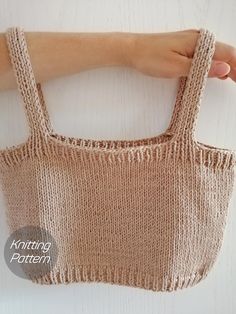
212, 158
121, 276
165, 217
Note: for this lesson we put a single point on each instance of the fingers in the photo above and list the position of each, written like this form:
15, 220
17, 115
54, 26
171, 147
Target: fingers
223, 65
219, 69
223, 77
226, 53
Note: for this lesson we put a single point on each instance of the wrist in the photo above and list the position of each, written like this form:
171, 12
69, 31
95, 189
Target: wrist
121, 44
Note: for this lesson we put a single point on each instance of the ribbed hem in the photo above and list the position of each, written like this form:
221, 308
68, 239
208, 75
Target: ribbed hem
120, 276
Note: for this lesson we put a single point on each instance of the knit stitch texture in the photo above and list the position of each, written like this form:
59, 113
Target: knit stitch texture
146, 213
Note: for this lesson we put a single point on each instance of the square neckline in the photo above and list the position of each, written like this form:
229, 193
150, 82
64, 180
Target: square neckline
169, 136
72, 141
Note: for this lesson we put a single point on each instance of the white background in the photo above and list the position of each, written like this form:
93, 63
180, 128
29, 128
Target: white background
121, 103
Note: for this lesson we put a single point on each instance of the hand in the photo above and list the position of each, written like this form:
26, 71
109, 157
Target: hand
169, 55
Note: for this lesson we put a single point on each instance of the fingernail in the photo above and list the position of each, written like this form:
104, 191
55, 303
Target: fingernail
221, 69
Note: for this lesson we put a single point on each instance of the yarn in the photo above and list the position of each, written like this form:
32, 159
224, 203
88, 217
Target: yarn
147, 213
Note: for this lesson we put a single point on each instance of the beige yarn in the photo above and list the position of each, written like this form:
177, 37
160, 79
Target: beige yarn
146, 213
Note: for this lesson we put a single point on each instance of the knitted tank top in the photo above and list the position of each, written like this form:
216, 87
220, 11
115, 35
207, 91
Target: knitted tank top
146, 213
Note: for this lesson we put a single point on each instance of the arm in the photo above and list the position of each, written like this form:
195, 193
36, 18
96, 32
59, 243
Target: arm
157, 54
57, 54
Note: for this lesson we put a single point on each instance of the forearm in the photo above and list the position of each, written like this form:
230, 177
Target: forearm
56, 54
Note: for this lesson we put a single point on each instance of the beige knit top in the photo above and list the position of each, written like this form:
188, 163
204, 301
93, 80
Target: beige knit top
146, 213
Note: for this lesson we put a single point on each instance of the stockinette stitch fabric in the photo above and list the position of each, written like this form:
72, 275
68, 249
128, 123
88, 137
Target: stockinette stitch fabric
147, 213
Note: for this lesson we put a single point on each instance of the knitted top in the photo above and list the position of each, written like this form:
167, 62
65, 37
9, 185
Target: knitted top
146, 213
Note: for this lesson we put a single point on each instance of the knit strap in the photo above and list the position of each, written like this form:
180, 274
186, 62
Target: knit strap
191, 88
30, 91
187, 104
177, 106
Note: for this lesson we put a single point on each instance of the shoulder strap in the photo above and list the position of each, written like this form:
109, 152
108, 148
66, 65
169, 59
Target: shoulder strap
191, 88
30, 90
187, 104
177, 106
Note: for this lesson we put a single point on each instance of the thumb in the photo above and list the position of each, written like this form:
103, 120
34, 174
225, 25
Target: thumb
219, 69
